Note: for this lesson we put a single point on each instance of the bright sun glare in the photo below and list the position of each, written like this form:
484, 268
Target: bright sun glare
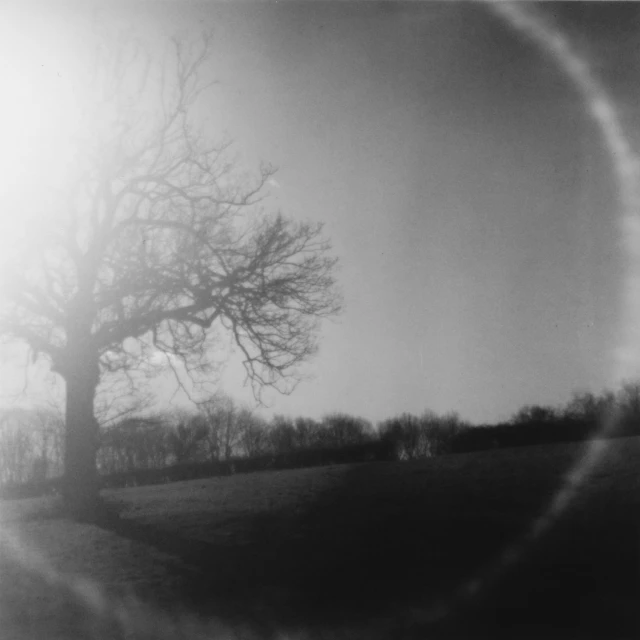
38, 112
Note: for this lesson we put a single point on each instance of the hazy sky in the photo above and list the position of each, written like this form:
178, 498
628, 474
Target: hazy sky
460, 180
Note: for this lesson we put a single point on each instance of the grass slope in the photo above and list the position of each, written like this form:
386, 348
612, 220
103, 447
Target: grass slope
380, 549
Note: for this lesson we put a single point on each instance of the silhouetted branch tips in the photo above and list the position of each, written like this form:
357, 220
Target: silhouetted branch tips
161, 245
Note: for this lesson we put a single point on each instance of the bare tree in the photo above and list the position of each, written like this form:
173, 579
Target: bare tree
282, 434
17, 448
160, 245
29, 444
408, 434
134, 443
341, 429
440, 431
187, 436
534, 414
308, 432
252, 432
224, 428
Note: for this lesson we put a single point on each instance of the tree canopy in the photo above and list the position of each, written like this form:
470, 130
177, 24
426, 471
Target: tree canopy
160, 243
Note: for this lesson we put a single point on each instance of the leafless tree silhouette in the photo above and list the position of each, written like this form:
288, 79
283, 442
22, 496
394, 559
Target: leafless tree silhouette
161, 245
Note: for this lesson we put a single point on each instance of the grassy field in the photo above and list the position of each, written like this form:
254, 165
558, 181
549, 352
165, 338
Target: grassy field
457, 546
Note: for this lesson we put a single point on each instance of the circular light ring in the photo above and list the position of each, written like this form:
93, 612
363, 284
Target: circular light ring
625, 163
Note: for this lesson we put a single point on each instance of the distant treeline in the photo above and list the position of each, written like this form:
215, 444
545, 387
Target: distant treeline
586, 416
219, 439
375, 450
223, 438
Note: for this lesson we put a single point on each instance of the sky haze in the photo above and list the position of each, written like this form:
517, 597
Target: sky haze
465, 190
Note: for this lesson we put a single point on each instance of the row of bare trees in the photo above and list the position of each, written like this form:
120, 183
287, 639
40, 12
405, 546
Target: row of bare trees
220, 430
31, 445
422, 436
223, 429
32, 440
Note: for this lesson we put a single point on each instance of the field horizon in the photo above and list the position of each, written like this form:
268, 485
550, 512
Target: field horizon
445, 547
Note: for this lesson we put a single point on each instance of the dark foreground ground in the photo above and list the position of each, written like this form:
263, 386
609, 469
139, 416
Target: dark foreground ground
445, 548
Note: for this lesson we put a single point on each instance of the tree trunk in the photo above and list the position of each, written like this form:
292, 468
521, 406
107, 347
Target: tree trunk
81, 486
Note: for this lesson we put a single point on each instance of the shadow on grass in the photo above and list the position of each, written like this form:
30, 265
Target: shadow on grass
363, 552
354, 554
